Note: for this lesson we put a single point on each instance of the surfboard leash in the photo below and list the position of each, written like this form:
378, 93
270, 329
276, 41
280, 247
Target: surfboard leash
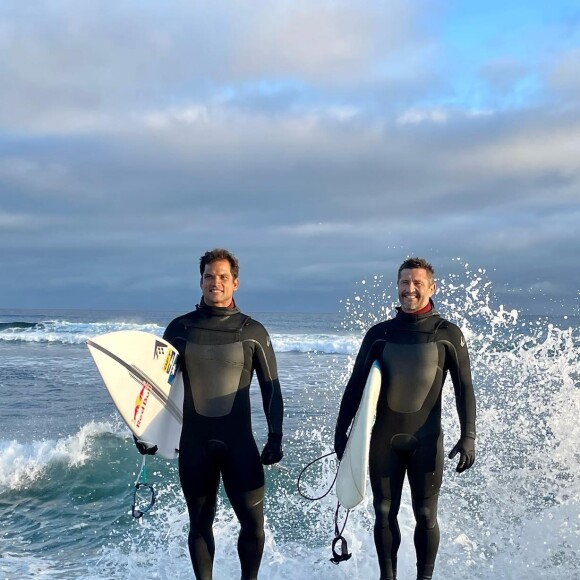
343, 554
142, 488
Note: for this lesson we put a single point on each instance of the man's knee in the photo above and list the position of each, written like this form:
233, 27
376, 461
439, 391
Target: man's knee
426, 514
385, 511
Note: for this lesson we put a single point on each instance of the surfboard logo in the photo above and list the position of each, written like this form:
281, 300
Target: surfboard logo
158, 349
169, 361
141, 403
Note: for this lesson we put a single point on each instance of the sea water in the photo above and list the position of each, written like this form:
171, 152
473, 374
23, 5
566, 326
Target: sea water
68, 465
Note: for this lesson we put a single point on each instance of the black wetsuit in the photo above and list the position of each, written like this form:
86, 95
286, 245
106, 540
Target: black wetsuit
416, 352
220, 348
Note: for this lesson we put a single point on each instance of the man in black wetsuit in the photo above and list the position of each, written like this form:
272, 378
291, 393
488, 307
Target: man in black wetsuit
416, 350
220, 348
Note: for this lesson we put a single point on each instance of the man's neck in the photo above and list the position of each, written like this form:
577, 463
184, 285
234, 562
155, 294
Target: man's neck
423, 310
232, 304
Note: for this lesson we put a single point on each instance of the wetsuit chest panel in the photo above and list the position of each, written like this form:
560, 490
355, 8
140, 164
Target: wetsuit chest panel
411, 371
214, 372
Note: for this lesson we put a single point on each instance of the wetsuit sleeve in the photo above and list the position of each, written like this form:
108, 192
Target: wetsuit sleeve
458, 365
174, 335
369, 351
169, 334
267, 374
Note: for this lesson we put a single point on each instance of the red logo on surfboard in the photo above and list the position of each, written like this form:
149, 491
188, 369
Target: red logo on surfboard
141, 403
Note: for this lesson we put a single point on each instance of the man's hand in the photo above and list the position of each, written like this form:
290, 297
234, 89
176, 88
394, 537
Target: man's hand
466, 449
273, 449
144, 448
340, 440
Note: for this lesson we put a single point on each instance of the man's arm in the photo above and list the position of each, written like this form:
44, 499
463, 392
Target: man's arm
267, 373
174, 334
460, 369
369, 351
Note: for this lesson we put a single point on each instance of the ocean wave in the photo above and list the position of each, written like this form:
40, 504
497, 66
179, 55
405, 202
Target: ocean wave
316, 343
66, 332
24, 463
19, 325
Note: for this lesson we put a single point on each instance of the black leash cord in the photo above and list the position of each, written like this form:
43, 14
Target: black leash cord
302, 473
343, 554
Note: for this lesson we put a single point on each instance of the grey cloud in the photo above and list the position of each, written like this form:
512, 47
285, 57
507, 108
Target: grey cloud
292, 168
564, 77
87, 60
321, 150
505, 73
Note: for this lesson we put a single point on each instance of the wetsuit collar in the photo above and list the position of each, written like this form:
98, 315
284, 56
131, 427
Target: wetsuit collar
414, 317
217, 310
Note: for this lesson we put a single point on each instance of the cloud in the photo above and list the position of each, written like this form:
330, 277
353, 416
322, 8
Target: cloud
322, 141
83, 63
326, 43
563, 77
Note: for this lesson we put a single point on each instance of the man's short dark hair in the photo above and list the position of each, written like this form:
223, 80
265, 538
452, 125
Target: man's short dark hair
412, 263
219, 254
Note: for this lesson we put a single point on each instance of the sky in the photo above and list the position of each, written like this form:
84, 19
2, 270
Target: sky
321, 141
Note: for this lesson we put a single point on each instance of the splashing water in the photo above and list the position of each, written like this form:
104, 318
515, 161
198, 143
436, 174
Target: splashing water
516, 513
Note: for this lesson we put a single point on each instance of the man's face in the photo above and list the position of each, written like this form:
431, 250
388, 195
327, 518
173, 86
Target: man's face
218, 284
415, 288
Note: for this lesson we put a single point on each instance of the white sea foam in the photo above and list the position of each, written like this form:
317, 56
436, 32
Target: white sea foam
316, 343
66, 332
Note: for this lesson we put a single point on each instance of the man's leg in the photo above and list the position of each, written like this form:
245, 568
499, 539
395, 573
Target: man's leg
425, 475
199, 482
249, 508
243, 477
387, 475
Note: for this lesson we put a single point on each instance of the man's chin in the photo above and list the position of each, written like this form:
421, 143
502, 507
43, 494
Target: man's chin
214, 302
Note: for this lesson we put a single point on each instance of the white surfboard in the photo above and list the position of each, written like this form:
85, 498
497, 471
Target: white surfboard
351, 479
141, 374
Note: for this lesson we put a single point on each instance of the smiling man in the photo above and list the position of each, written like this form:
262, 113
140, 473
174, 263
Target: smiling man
416, 351
220, 348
